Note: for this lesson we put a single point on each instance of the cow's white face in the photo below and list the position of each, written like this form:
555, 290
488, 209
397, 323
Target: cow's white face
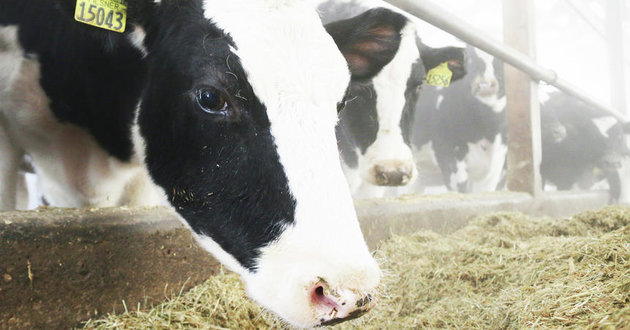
238, 126
370, 132
485, 75
389, 161
374, 127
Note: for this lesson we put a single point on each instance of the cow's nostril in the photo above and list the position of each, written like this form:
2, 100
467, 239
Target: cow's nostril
319, 291
332, 306
319, 297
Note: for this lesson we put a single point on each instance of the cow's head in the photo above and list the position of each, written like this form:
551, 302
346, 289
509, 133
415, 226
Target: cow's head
237, 126
372, 131
484, 76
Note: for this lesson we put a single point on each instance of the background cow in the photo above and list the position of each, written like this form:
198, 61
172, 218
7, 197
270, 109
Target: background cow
373, 144
458, 132
582, 145
224, 110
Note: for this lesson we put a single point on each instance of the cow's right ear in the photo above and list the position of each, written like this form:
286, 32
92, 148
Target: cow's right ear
368, 41
454, 56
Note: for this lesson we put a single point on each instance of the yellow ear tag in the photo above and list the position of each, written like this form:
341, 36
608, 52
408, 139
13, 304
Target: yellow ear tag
440, 76
105, 14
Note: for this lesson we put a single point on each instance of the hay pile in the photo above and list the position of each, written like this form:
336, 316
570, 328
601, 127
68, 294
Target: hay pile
504, 270
219, 303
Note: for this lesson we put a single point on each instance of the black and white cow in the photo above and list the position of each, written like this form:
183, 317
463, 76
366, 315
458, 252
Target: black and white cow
458, 133
374, 149
224, 110
582, 145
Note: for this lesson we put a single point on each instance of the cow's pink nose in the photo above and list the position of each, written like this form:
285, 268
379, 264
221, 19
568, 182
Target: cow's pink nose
335, 306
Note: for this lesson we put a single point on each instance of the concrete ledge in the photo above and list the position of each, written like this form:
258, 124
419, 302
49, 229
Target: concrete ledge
59, 267
380, 218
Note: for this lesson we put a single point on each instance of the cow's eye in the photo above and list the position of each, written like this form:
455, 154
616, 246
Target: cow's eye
341, 105
211, 100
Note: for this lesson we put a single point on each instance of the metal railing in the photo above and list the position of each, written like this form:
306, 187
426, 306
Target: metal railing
433, 14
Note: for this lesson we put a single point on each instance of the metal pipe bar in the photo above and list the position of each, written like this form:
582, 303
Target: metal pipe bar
433, 14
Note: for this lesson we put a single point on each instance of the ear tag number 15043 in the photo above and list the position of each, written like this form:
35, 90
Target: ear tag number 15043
105, 14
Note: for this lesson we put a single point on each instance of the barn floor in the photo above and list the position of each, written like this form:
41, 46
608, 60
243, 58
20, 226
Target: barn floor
504, 270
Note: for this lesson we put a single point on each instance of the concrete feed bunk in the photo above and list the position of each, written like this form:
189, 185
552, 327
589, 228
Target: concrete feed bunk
61, 267
504, 270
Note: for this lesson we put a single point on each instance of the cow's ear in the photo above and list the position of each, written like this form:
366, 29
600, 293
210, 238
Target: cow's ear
454, 56
368, 41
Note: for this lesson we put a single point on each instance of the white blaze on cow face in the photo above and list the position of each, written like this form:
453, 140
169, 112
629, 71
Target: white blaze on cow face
297, 72
389, 153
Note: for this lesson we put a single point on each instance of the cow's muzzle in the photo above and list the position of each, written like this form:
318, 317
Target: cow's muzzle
486, 87
335, 305
391, 174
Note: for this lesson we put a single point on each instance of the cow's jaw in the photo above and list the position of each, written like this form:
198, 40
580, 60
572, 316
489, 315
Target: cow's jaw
300, 82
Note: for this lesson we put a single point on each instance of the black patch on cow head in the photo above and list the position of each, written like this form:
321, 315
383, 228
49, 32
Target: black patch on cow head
476, 67
414, 87
219, 168
616, 140
358, 122
474, 63
368, 41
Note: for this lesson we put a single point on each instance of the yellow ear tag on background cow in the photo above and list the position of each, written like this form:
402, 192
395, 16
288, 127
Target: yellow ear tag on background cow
105, 14
440, 76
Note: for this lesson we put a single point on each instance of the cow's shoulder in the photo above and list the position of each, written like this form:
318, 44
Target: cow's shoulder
92, 77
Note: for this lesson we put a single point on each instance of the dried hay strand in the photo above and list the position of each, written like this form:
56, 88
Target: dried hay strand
504, 270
